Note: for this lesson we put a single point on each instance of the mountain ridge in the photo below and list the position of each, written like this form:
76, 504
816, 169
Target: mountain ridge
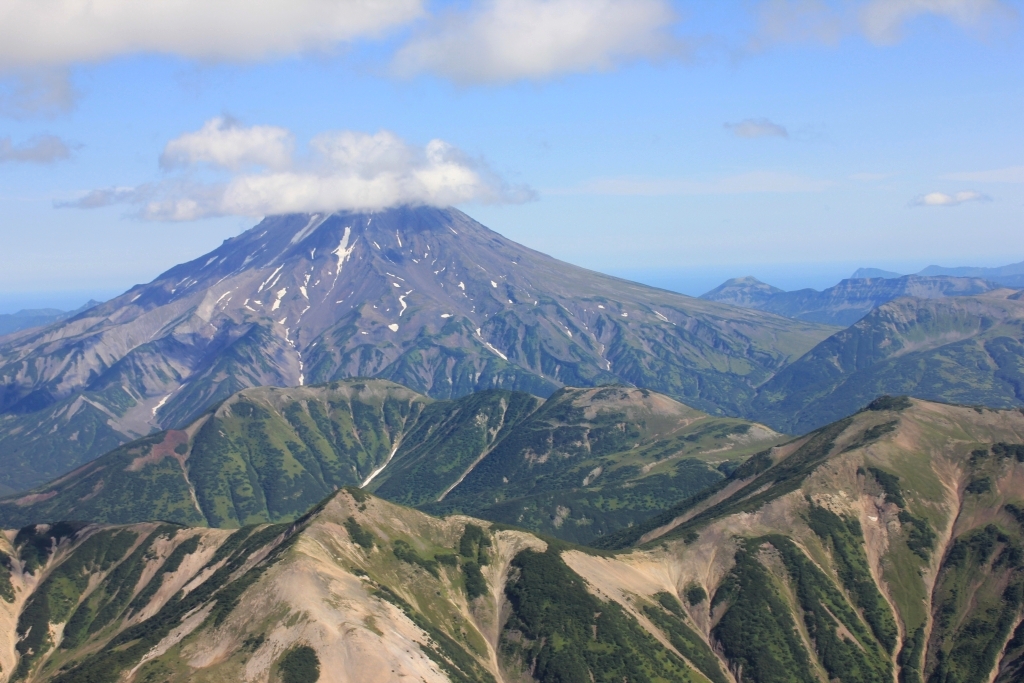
580, 464
425, 297
847, 302
886, 546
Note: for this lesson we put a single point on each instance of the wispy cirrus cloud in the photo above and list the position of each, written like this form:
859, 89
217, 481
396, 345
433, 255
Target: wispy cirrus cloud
509, 40
1011, 174
741, 183
28, 93
757, 128
880, 21
342, 170
955, 199
44, 149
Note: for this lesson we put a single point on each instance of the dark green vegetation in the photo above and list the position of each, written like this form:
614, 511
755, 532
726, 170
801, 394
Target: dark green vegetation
580, 465
562, 634
767, 482
299, 665
56, 598
846, 541
422, 296
918, 533
978, 601
587, 463
359, 535
671, 619
474, 548
964, 350
757, 633
220, 589
6, 589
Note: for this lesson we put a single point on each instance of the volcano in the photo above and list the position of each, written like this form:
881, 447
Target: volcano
426, 297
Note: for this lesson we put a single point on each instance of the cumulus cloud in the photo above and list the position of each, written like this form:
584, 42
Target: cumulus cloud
509, 40
344, 170
943, 199
757, 128
223, 142
44, 149
1012, 174
61, 32
880, 21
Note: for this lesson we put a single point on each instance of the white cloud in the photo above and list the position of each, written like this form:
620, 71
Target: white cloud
346, 170
223, 142
869, 177
44, 149
943, 199
880, 21
1012, 174
61, 32
757, 128
508, 40
743, 183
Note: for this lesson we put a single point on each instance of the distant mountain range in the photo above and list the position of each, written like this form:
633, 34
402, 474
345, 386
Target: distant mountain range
37, 317
967, 350
425, 297
886, 546
846, 302
1007, 276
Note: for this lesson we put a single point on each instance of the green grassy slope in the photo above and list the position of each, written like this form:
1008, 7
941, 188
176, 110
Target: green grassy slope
967, 350
584, 463
890, 541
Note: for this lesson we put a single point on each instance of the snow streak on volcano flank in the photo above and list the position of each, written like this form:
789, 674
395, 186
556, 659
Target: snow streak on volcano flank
426, 297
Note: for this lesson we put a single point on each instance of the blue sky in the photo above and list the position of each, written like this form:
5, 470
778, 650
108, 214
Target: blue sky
677, 143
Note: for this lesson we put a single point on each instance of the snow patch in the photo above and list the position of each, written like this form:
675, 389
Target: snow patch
305, 295
270, 278
493, 283
503, 356
393, 327
660, 316
446, 315
315, 221
625, 315
600, 306
462, 287
380, 469
162, 401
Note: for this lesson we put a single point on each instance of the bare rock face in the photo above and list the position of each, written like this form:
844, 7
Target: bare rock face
425, 297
